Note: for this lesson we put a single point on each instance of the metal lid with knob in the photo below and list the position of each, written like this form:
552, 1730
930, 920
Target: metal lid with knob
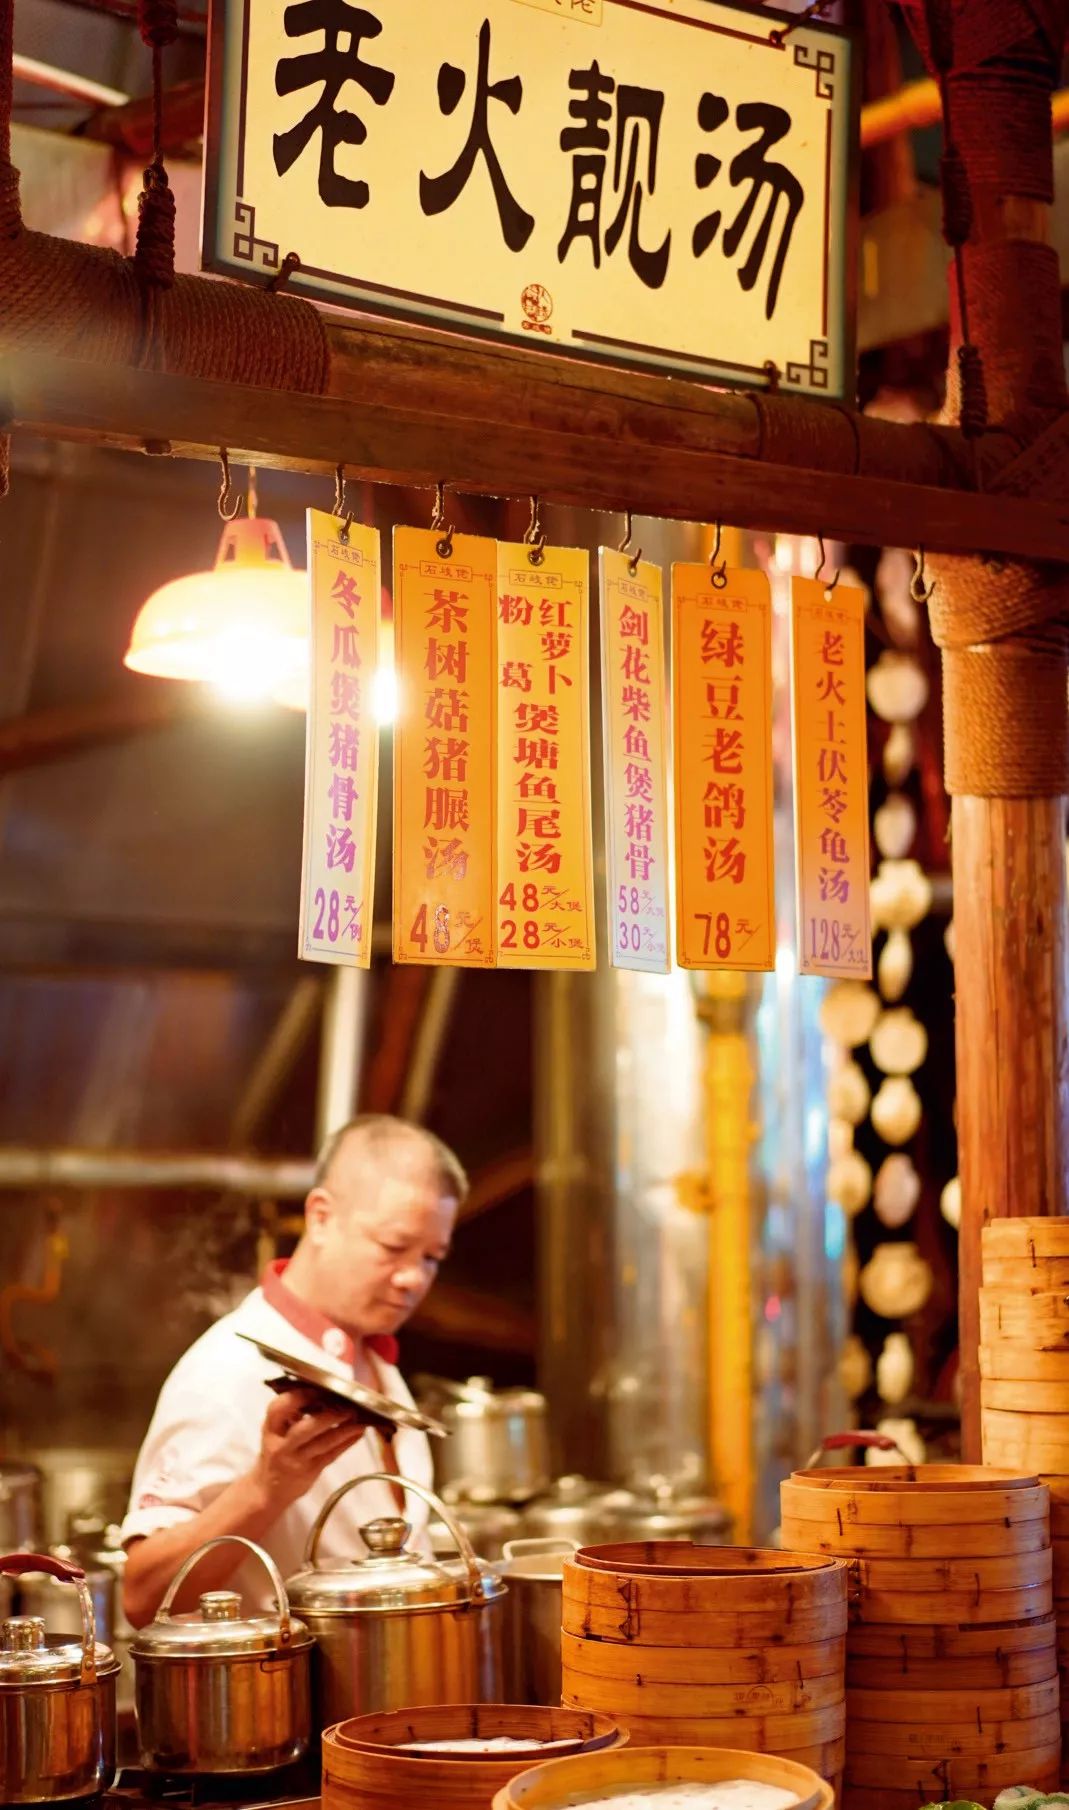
29, 1656
216, 1629
390, 1577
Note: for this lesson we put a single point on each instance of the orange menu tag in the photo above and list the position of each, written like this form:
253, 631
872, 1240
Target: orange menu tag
341, 763
831, 781
722, 667
443, 838
545, 867
636, 762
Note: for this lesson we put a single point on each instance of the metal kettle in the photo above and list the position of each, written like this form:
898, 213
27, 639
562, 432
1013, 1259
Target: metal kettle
394, 1627
499, 1445
57, 1701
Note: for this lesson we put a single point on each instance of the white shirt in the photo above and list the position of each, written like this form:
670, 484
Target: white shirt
206, 1432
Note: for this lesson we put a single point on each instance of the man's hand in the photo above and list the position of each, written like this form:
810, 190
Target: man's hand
302, 1435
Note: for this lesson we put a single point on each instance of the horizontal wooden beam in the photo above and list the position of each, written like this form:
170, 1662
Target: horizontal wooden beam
65, 730
411, 407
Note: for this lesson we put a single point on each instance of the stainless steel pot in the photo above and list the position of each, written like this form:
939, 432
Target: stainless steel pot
499, 1449
533, 1570
20, 1508
57, 1701
219, 1693
396, 1628
576, 1509
487, 1524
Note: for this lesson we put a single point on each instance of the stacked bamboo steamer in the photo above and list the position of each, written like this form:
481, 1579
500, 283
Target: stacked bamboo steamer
1024, 1344
711, 1645
951, 1661
1024, 1377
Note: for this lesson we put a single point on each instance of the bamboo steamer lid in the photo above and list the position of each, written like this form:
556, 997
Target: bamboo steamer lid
765, 1666
668, 1572
557, 1783
915, 1495
663, 1593
365, 1765
1031, 1238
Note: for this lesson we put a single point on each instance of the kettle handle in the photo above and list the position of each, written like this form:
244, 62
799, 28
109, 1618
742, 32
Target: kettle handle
15, 1564
858, 1440
463, 1544
282, 1601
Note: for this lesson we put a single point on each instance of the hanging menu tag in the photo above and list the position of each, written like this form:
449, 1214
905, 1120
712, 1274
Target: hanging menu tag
443, 847
341, 763
831, 781
545, 868
722, 683
636, 762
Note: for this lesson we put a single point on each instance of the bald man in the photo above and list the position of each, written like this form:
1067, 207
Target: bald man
223, 1455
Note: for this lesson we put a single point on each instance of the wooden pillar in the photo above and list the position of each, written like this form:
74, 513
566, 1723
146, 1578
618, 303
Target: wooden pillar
1007, 730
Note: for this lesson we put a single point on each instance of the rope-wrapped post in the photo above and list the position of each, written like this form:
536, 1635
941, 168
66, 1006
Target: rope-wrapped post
1002, 631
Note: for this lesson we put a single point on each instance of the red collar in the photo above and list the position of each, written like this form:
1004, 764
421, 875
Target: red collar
314, 1325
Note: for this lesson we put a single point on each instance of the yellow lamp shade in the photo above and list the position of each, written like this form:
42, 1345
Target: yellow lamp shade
242, 627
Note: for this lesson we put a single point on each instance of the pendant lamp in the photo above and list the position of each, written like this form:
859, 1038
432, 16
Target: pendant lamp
242, 627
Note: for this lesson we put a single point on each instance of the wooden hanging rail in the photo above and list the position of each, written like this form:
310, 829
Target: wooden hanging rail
410, 407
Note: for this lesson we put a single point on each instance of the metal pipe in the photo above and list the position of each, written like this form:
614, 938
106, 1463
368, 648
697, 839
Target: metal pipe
65, 81
276, 1061
917, 105
281, 1178
430, 1036
342, 1050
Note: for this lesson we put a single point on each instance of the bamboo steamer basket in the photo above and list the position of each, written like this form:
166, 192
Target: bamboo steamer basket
951, 1651
697, 1644
1039, 1319
559, 1783
1037, 1442
1026, 1396
1012, 1361
364, 1762
1030, 1239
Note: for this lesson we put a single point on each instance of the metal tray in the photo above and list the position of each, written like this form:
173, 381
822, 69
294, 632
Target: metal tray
347, 1390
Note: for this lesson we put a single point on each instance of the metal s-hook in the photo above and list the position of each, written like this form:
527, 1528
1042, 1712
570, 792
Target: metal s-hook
918, 589
444, 547
828, 588
341, 514
718, 574
229, 504
535, 539
632, 564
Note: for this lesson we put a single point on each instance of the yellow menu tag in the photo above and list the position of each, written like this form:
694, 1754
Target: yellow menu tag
545, 868
831, 781
722, 668
636, 762
341, 763
443, 838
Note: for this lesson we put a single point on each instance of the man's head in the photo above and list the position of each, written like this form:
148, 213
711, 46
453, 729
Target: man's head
379, 1220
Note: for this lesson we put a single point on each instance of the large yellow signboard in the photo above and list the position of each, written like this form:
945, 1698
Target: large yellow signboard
660, 184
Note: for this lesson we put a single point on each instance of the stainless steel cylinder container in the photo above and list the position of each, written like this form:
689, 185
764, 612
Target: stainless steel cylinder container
394, 1627
533, 1570
218, 1693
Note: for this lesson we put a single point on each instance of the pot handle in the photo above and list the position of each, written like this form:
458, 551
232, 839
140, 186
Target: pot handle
861, 1440
15, 1564
282, 1601
551, 1544
463, 1544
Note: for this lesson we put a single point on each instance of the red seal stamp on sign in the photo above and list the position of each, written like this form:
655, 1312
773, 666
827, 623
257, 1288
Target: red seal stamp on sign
537, 305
